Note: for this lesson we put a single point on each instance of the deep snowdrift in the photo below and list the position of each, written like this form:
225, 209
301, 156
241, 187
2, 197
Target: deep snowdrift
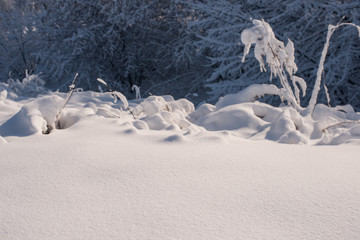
103, 180
175, 172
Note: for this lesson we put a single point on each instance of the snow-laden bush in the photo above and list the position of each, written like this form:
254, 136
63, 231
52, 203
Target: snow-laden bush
279, 58
30, 86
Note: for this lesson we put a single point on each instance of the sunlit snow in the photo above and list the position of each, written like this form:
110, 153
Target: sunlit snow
176, 172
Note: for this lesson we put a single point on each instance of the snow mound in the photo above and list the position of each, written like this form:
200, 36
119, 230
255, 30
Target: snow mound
164, 113
130, 131
288, 127
355, 131
336, 125
284, 125
71, 116
7, 106
234, 115
2, 140
293, 137
203, 110
3, 95
239, 114
176, 138
33, 118
249, 94
340, 134
140, 125
27, 121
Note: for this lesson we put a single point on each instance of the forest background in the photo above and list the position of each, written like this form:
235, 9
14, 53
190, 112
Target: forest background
188, 48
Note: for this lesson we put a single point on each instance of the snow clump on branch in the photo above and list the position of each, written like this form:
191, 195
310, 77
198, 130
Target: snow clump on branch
279, 58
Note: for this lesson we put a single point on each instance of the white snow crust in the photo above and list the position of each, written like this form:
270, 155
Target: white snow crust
176, 172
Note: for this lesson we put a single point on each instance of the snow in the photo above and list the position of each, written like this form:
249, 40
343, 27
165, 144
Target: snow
266, 45
278, 58
249, 94
176, 172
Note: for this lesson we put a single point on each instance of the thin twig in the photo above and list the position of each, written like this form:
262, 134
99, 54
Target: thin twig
340, 123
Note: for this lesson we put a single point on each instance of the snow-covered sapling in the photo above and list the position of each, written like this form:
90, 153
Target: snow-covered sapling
137, 92
281, 61
279, 58
315, 92
67, 98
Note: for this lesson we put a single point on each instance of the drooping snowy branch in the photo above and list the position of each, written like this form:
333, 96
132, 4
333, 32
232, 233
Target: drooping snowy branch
279, 58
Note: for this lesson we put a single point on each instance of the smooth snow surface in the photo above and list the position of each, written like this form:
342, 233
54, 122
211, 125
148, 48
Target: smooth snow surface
176, 172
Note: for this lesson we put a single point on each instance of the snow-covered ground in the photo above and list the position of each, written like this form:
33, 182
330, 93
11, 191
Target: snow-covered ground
217, 172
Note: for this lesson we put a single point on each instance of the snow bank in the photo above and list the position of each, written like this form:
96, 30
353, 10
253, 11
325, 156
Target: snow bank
108, 175
33, 118
254, 119
239, 115
7, 106
245, 117
94, 181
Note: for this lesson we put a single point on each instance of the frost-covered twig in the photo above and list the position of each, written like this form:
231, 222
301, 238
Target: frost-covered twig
340, 123
315, 92
67, 98
69, 94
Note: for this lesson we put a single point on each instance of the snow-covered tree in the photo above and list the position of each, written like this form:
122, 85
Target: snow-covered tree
18, 39
144, 43
174, 46
279, 58
219, 24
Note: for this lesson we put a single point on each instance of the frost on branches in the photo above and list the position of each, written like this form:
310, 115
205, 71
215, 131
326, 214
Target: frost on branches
279, 58
281, 62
